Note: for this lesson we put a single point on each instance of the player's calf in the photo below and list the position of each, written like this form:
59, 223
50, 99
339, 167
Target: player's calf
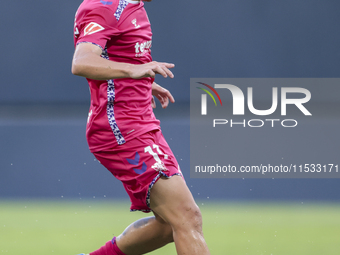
145, 235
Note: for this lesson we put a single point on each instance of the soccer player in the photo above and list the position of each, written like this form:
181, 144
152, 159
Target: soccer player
112, 50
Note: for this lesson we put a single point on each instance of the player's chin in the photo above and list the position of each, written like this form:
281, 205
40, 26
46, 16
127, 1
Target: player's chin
147, 0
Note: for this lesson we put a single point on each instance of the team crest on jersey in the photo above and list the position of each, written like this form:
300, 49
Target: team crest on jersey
134, 22
92, 28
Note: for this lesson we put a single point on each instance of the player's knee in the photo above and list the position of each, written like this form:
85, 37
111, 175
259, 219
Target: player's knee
191, 218
196, 217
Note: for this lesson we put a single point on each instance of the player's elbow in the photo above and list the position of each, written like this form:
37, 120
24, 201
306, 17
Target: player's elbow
77, 68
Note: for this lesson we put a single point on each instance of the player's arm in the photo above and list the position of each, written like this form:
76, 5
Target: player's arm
162, 94
88, 63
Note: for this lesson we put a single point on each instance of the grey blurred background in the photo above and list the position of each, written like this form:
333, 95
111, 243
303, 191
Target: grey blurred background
43, 107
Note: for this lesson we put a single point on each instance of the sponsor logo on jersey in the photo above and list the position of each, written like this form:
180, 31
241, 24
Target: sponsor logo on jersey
142, 48
92, 28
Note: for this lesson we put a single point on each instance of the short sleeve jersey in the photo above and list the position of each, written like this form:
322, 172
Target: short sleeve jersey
121, 108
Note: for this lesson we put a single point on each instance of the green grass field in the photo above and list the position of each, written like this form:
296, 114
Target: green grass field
68, 228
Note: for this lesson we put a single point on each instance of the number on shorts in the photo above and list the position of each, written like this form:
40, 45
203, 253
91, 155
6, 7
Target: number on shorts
154, 154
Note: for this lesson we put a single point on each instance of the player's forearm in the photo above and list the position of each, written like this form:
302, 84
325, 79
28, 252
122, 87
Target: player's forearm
95, 67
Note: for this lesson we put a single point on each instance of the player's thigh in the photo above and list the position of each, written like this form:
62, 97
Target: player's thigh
172, 200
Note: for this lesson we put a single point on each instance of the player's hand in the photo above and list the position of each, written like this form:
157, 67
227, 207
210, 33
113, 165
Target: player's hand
162, 94
151, 69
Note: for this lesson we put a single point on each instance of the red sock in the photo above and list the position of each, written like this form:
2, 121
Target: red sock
110, 248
